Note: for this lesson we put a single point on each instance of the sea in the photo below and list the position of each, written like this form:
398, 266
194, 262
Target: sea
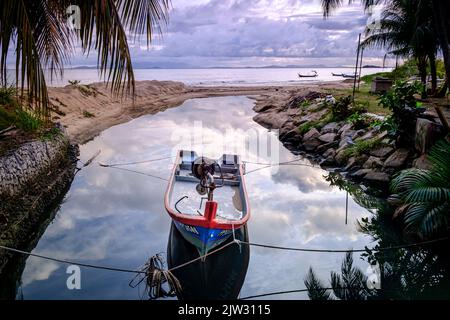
220, 77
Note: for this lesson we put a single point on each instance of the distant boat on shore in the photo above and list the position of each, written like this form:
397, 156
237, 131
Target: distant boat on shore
310, 75
349, 76
344, 75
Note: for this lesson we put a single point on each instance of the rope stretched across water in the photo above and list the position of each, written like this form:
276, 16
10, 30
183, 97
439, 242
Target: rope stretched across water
136, 162
221, 248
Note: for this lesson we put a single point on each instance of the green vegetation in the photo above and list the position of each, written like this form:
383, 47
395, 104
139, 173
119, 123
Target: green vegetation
351, 284
402, 102
407, 70
13, 114
88, 114
19, 118
7, 95
424, 195
50, 134
318, 124
364, 98
361, 147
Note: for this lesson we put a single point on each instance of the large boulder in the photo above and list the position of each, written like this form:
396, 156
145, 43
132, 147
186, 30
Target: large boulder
397, 159
422, 163
328, 162
310, 141
327, 137
354, 163
377, 177
292, 136
286, 127
427, 133
329, 153
382, 152
341, 156
331, 127
373, 162
313, 116
324, 147
311, 134
359, 174
366, 136
345, 127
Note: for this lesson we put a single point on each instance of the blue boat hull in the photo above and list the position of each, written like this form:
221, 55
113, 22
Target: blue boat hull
204, 239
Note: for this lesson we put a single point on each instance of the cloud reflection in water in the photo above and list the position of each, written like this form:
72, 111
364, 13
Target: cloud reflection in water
118, 218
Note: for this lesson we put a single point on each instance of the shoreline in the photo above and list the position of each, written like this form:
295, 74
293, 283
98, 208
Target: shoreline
87, 110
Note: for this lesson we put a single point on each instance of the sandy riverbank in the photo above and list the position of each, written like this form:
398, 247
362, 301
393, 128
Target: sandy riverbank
86, 111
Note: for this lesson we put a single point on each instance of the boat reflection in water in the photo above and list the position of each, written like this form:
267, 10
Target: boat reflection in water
219, 277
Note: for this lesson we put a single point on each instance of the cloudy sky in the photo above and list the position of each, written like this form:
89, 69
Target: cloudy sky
239, 33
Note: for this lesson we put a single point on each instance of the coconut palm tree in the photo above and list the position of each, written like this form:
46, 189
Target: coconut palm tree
440, 11
38, 32
407, 31
423, 196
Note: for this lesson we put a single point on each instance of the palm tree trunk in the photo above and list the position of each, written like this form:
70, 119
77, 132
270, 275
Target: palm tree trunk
439, 12
433, 71
422, 66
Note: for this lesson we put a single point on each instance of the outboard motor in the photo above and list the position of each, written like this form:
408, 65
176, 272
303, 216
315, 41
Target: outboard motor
203, 169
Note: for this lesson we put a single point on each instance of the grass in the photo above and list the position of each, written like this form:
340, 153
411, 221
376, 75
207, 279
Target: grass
7, 95
318, 124
363, 97
362, 146
50, 134
11, 114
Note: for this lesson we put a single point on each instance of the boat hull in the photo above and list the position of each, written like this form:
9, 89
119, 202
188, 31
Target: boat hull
204, 239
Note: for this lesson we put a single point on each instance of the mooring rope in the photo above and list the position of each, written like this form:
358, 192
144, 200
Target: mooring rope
300, 291
136, 162
278, 293
236, 241
406, 246
137, 172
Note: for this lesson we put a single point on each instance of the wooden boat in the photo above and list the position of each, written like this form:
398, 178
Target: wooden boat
311, 75
220, 277
337, 74
207, 199
349, 76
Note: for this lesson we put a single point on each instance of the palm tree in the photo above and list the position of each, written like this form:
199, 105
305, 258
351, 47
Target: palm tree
407, 31
42, 39
351, 284
423, 196
440, 11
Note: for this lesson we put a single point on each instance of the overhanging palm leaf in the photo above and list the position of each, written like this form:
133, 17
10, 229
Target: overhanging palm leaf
330, 5
38, 30
425, 194
316, 290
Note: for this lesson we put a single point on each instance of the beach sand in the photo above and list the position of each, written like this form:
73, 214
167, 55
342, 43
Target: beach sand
85, 111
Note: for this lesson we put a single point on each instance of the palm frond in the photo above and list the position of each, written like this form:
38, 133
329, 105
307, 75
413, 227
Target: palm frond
144, 16
316, 290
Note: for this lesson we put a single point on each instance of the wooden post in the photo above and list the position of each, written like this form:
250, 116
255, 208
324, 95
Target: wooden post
356, 68
360, 67
346, 208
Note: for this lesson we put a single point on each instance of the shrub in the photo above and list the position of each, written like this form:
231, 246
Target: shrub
341, 109
7, 95
361, 147
27, 121
401, 101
